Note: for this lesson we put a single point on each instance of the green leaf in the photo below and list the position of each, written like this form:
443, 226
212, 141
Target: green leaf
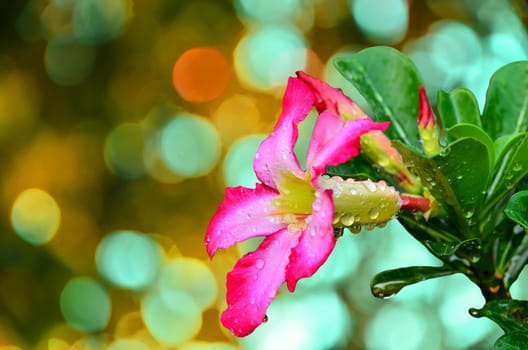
469, 249
510, 168
469, 130
510, 315
516, 261
506, 109
358, 168
458, 106
389, 82
457, 177
387, 283
517, 208
512, 341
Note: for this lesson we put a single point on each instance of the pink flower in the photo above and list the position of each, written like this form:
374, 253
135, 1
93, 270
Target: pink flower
289, 207
376, 146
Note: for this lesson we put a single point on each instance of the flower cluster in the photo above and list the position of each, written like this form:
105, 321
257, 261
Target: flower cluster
296, 209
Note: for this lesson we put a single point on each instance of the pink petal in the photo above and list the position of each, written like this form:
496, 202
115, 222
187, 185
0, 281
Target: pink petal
254, 282
244, 213
275, 155
316, 242
327, 125
342, 146
326, 95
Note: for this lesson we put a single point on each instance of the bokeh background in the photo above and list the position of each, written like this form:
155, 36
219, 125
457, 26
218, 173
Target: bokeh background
121, 122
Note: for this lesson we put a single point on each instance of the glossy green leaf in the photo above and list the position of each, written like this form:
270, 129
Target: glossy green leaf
469, 130
512, 341
511, 166
517, 208
458, 106
506, 109
516, 261
358, 168
387, 283
469, 249
389, 81
510, 315
457, 177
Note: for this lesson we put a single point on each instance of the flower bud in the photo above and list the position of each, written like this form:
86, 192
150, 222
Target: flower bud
427, 126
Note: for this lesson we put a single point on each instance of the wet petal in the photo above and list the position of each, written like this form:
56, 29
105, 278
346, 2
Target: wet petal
341, 146
275, 156
328, 97
243, 214
254, 282
316, 242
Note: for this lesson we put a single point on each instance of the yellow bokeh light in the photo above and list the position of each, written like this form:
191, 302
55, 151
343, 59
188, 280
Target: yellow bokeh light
35, 216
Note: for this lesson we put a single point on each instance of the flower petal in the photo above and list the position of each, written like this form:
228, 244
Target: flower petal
331, 98
316, 243
329, 147
254, 282
244, 213
275, 156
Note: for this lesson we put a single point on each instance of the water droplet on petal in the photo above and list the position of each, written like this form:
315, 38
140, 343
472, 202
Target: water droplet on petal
259, 264
373, 213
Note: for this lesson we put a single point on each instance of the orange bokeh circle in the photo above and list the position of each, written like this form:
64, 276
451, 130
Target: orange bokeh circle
201, 74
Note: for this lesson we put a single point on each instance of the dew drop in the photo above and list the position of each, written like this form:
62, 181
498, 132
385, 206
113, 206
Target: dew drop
259, 264
347, 219
468, 214
373, 213
517, 167
371, 186
460, 177
355, 228
445, 151
337, 219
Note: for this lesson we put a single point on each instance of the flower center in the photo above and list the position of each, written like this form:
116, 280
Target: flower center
294, 203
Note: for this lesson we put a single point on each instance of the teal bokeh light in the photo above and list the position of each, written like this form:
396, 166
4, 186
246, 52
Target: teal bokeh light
309, 321
267, 11
128, 259
454, 47
397, 327
85, 304
238, 162
381, 21
98, 21
123, 151
189, 145
258, 54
